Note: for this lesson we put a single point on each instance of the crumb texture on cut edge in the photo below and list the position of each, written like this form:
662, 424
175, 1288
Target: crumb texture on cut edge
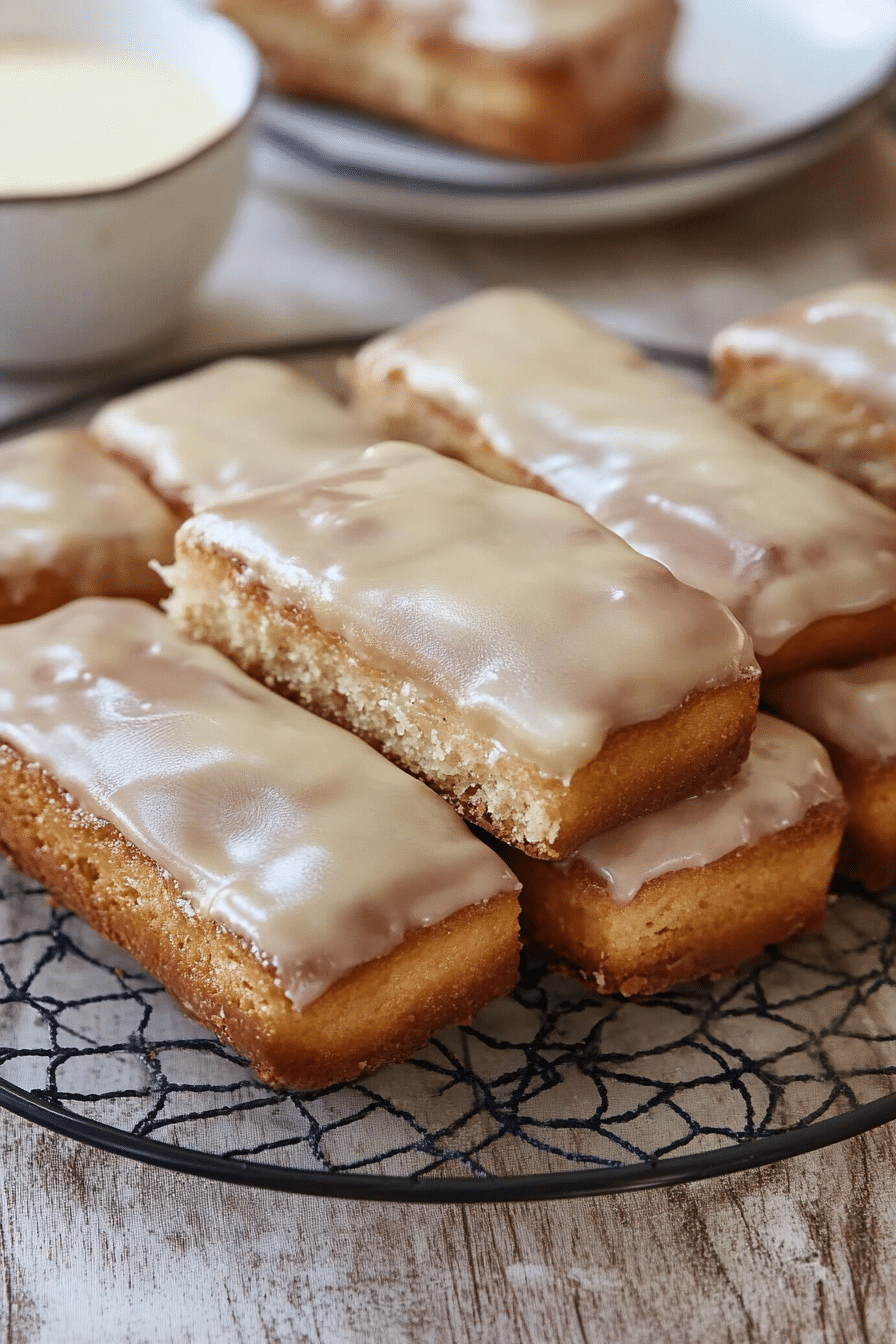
688, 923
800, 410
375, 1014
642, 767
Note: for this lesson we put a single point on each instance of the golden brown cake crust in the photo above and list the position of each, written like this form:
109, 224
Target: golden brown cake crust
832, 641
377, 1013
558, 105
684, 924
640, 769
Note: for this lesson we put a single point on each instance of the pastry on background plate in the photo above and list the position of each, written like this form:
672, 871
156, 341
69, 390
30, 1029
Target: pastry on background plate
700, 887
562, 81
818, 376
529, 392
524, 661
297, 894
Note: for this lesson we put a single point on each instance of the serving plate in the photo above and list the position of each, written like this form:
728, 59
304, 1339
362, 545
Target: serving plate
549, 1093
762, 87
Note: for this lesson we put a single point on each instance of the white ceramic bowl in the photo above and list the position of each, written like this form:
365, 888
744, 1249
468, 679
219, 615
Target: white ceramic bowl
88, 276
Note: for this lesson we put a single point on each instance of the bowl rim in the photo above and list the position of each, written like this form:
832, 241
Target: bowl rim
232, 129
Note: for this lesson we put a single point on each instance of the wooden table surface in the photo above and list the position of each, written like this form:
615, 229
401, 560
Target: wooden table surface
97, 1248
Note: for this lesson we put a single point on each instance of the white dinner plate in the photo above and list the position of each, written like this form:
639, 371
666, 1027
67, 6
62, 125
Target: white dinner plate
762, 87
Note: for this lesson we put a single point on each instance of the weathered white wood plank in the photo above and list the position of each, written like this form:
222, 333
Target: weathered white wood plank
97, 1248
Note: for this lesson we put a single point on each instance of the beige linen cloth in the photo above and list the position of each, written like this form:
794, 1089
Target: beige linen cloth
290, 272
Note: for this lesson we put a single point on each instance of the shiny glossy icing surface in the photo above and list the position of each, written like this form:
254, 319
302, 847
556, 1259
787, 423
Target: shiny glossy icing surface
502, 25
854, 708
847, 335
288, 831
780, 543
544, 629
233, 427
64, 505
786, 773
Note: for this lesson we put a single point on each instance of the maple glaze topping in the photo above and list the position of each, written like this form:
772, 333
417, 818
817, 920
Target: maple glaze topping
288, 831
779, 542
63, 504
847, 335
786, 774
236, 426
854, 708
543, 628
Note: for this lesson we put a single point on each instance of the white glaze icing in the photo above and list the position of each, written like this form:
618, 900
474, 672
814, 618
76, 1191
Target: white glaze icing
544, 629
847, 335
64, 506
233, 427
288, 831
779, 542
786, 774
854, 708
501, 25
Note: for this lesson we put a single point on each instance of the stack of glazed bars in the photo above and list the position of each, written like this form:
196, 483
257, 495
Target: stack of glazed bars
548, 623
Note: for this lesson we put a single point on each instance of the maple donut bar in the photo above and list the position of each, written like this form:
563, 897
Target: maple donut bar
853, 711
298, 895
494, 641
527, 391
73, 524
700, 887
562, 81
818, 376
232, 427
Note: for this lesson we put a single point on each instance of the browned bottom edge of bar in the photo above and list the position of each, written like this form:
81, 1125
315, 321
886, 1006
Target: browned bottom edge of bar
374, 1014
685, 924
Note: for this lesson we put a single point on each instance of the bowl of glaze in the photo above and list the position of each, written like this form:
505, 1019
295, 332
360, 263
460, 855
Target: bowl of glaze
108, 223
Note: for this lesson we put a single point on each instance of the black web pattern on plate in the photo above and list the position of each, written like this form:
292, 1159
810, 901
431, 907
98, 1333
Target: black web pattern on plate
551, 1079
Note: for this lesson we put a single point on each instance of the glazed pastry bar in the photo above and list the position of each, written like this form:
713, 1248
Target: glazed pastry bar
818, 376
317, 908
558, 80
73, 524
529, 392
853, 711
702, 886
495, 641
232, 427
